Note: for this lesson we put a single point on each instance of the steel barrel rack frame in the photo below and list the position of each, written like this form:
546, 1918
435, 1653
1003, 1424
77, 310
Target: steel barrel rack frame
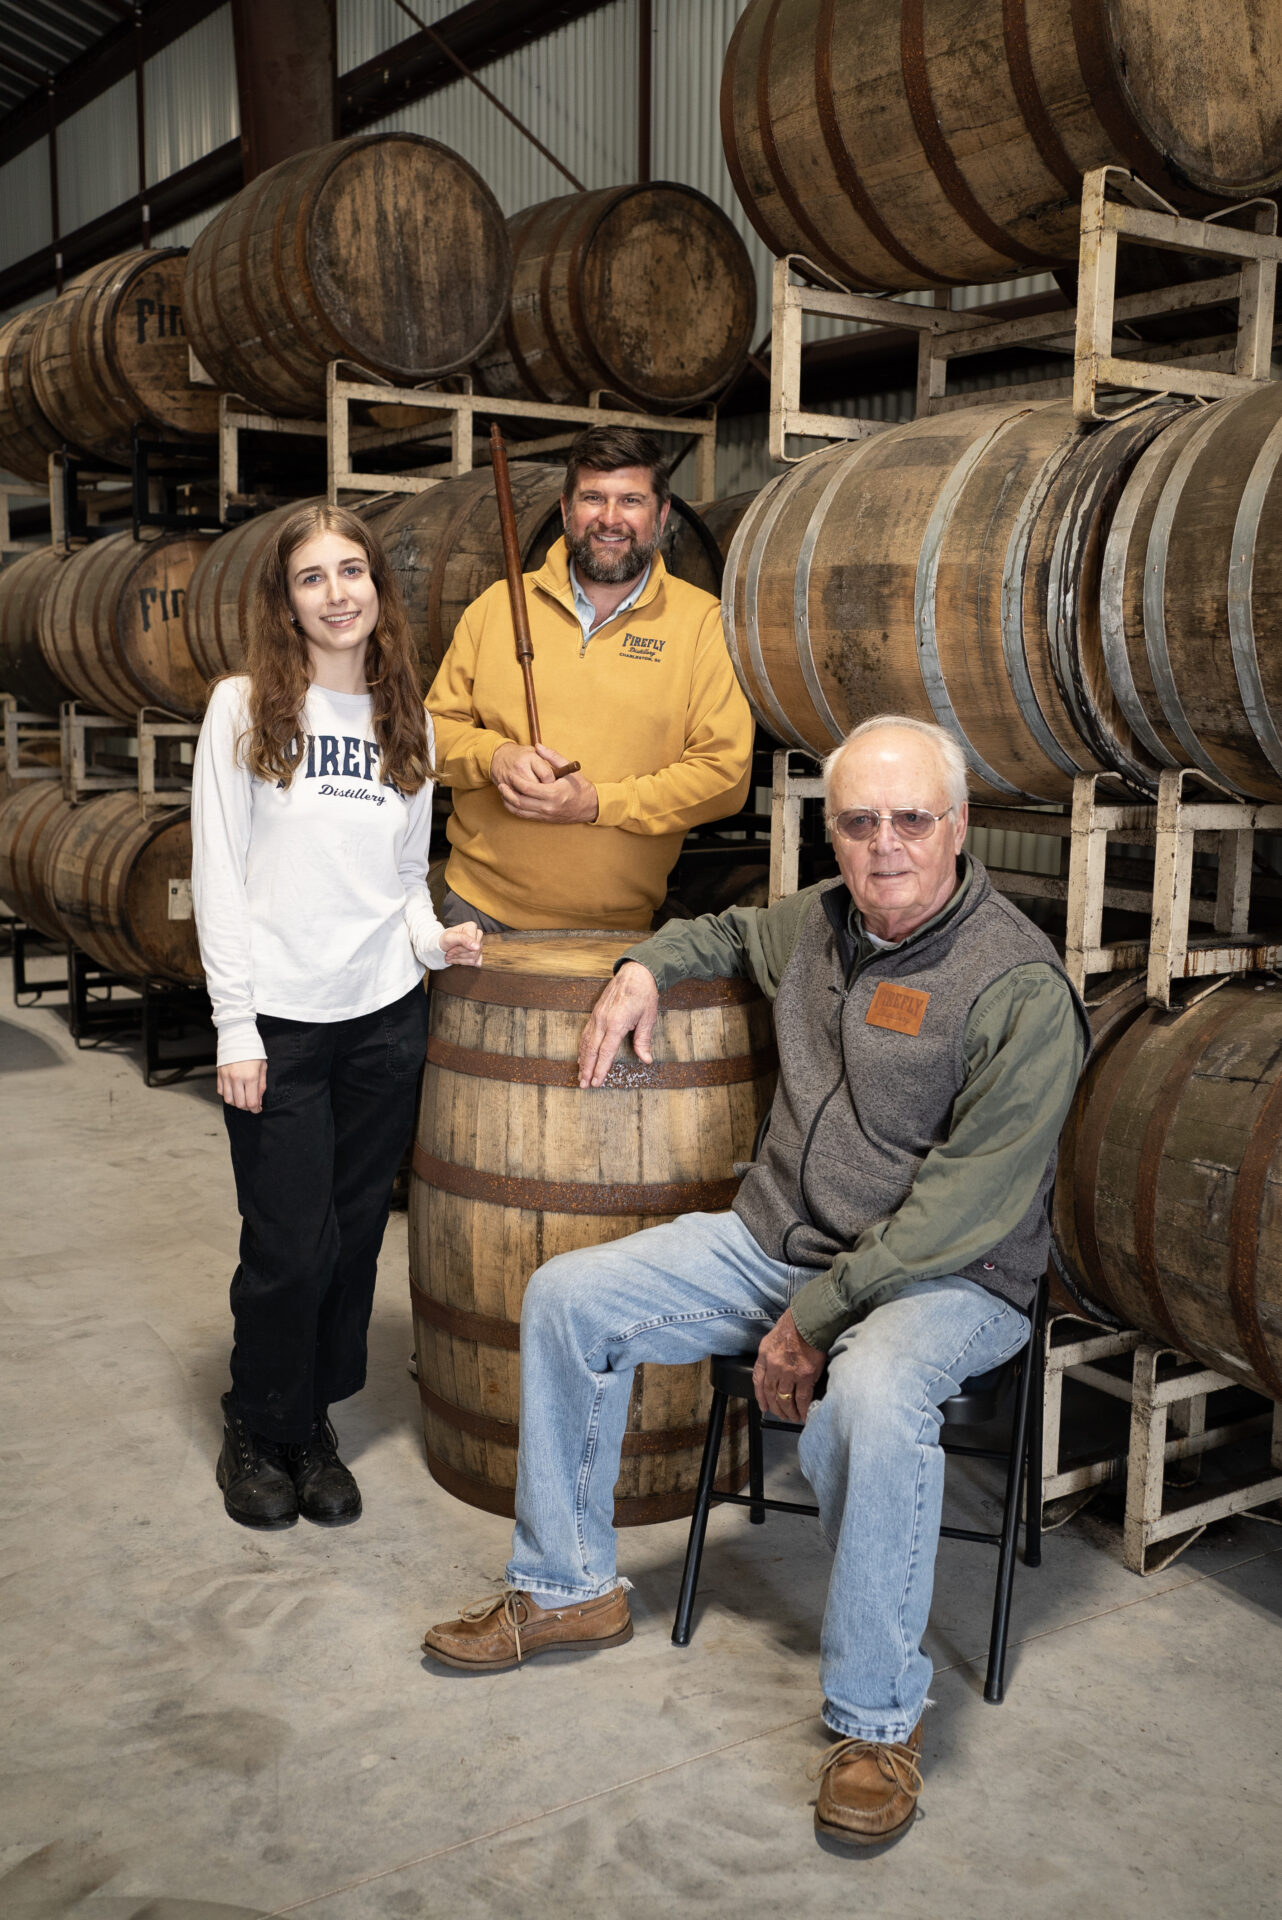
448, 427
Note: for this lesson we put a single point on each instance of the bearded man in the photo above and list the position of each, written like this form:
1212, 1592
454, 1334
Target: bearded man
634, 682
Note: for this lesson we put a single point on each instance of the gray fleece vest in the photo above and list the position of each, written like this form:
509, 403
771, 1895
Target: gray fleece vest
859, 1105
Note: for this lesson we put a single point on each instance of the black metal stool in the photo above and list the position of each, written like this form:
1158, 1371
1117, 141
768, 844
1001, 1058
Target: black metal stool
975, 1405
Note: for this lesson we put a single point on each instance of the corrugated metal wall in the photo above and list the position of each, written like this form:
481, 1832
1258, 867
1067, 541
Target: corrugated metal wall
98, 156
576, 90
24, 198
191, 100
367, 27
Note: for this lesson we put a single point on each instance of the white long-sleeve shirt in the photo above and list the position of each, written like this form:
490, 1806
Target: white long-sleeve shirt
311, 900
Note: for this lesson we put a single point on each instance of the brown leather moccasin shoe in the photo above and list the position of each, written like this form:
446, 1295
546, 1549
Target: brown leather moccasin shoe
508, 1628
868, 1791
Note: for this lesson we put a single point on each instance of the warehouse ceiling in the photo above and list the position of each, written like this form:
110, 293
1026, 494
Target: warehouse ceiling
39, 39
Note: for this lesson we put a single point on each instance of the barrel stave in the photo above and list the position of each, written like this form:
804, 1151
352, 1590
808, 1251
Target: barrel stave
1169, 1196
27, 437
31, 819
1197, 554
24, 585
109, 875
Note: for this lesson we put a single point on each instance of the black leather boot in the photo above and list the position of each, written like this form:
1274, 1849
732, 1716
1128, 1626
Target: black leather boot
257, 1489
326, 1491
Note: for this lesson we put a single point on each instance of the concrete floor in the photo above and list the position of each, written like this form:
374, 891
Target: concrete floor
202, 1723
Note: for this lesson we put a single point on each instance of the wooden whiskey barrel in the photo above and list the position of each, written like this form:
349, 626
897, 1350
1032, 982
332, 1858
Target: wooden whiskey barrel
1168, 1205
111, 627
445, 545
387, 249
944, 569
24, 586
109, 875
111, 354
645, 290
31, 819
914, 143
220, 593
722, 517
513, 1164
1192, 588
27, 438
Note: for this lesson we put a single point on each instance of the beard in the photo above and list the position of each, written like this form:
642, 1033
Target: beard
628, 563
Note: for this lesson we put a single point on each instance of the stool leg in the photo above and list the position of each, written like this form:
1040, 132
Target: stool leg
756, 1464
995, 1681
699, 1520
1036, 1431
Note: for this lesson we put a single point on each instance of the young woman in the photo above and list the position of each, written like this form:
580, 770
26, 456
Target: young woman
311, 811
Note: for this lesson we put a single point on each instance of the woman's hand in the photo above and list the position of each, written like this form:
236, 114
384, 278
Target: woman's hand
242, 1083
462, 945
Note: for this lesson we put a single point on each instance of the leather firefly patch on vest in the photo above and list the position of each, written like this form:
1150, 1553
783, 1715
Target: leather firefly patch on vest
901, 1009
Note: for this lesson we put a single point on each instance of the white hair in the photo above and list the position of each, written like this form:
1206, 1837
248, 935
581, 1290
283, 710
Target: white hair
951, 757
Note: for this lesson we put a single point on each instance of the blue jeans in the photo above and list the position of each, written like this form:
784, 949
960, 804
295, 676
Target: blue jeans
869, 1449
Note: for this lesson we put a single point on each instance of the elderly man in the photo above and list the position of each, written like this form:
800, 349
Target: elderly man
634, 681
893, 1227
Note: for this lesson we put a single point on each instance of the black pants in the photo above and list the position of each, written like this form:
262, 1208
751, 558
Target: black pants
314, 1173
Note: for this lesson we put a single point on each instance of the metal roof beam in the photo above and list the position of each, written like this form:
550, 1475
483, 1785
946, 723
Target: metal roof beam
479, 34
111, 58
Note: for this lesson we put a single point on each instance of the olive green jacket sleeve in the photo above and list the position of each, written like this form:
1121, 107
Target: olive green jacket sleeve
1023, 1050
756, 942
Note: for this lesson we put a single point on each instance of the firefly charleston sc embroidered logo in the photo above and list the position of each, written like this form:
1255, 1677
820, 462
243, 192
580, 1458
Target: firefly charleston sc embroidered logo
641, 646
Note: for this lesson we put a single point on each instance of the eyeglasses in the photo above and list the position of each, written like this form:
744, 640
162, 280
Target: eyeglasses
908, 823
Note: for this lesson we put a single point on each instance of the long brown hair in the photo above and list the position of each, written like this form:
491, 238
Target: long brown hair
280, 670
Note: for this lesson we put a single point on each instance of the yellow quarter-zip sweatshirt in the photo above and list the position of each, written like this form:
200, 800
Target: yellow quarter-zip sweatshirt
650, 706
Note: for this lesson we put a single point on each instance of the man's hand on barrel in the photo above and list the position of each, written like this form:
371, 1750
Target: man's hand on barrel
629, 1005
528, 786
786, 1370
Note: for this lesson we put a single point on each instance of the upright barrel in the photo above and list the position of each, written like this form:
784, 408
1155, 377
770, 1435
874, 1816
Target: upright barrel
27, 437
32, 818
110, 875
645, 290
908, 143
111, 354
446, 547
25, 584
387, 249
1168, 1203
112, 630
1192, 586
513, 1164
945, 569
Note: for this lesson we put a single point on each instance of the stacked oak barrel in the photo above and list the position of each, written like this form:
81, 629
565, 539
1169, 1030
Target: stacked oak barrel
1064, 601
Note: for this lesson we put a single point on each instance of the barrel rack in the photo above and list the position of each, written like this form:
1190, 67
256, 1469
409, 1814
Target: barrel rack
102, 754
1164, 1391
448, 419
12, 491
24, 735
93, 753
1115, 206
